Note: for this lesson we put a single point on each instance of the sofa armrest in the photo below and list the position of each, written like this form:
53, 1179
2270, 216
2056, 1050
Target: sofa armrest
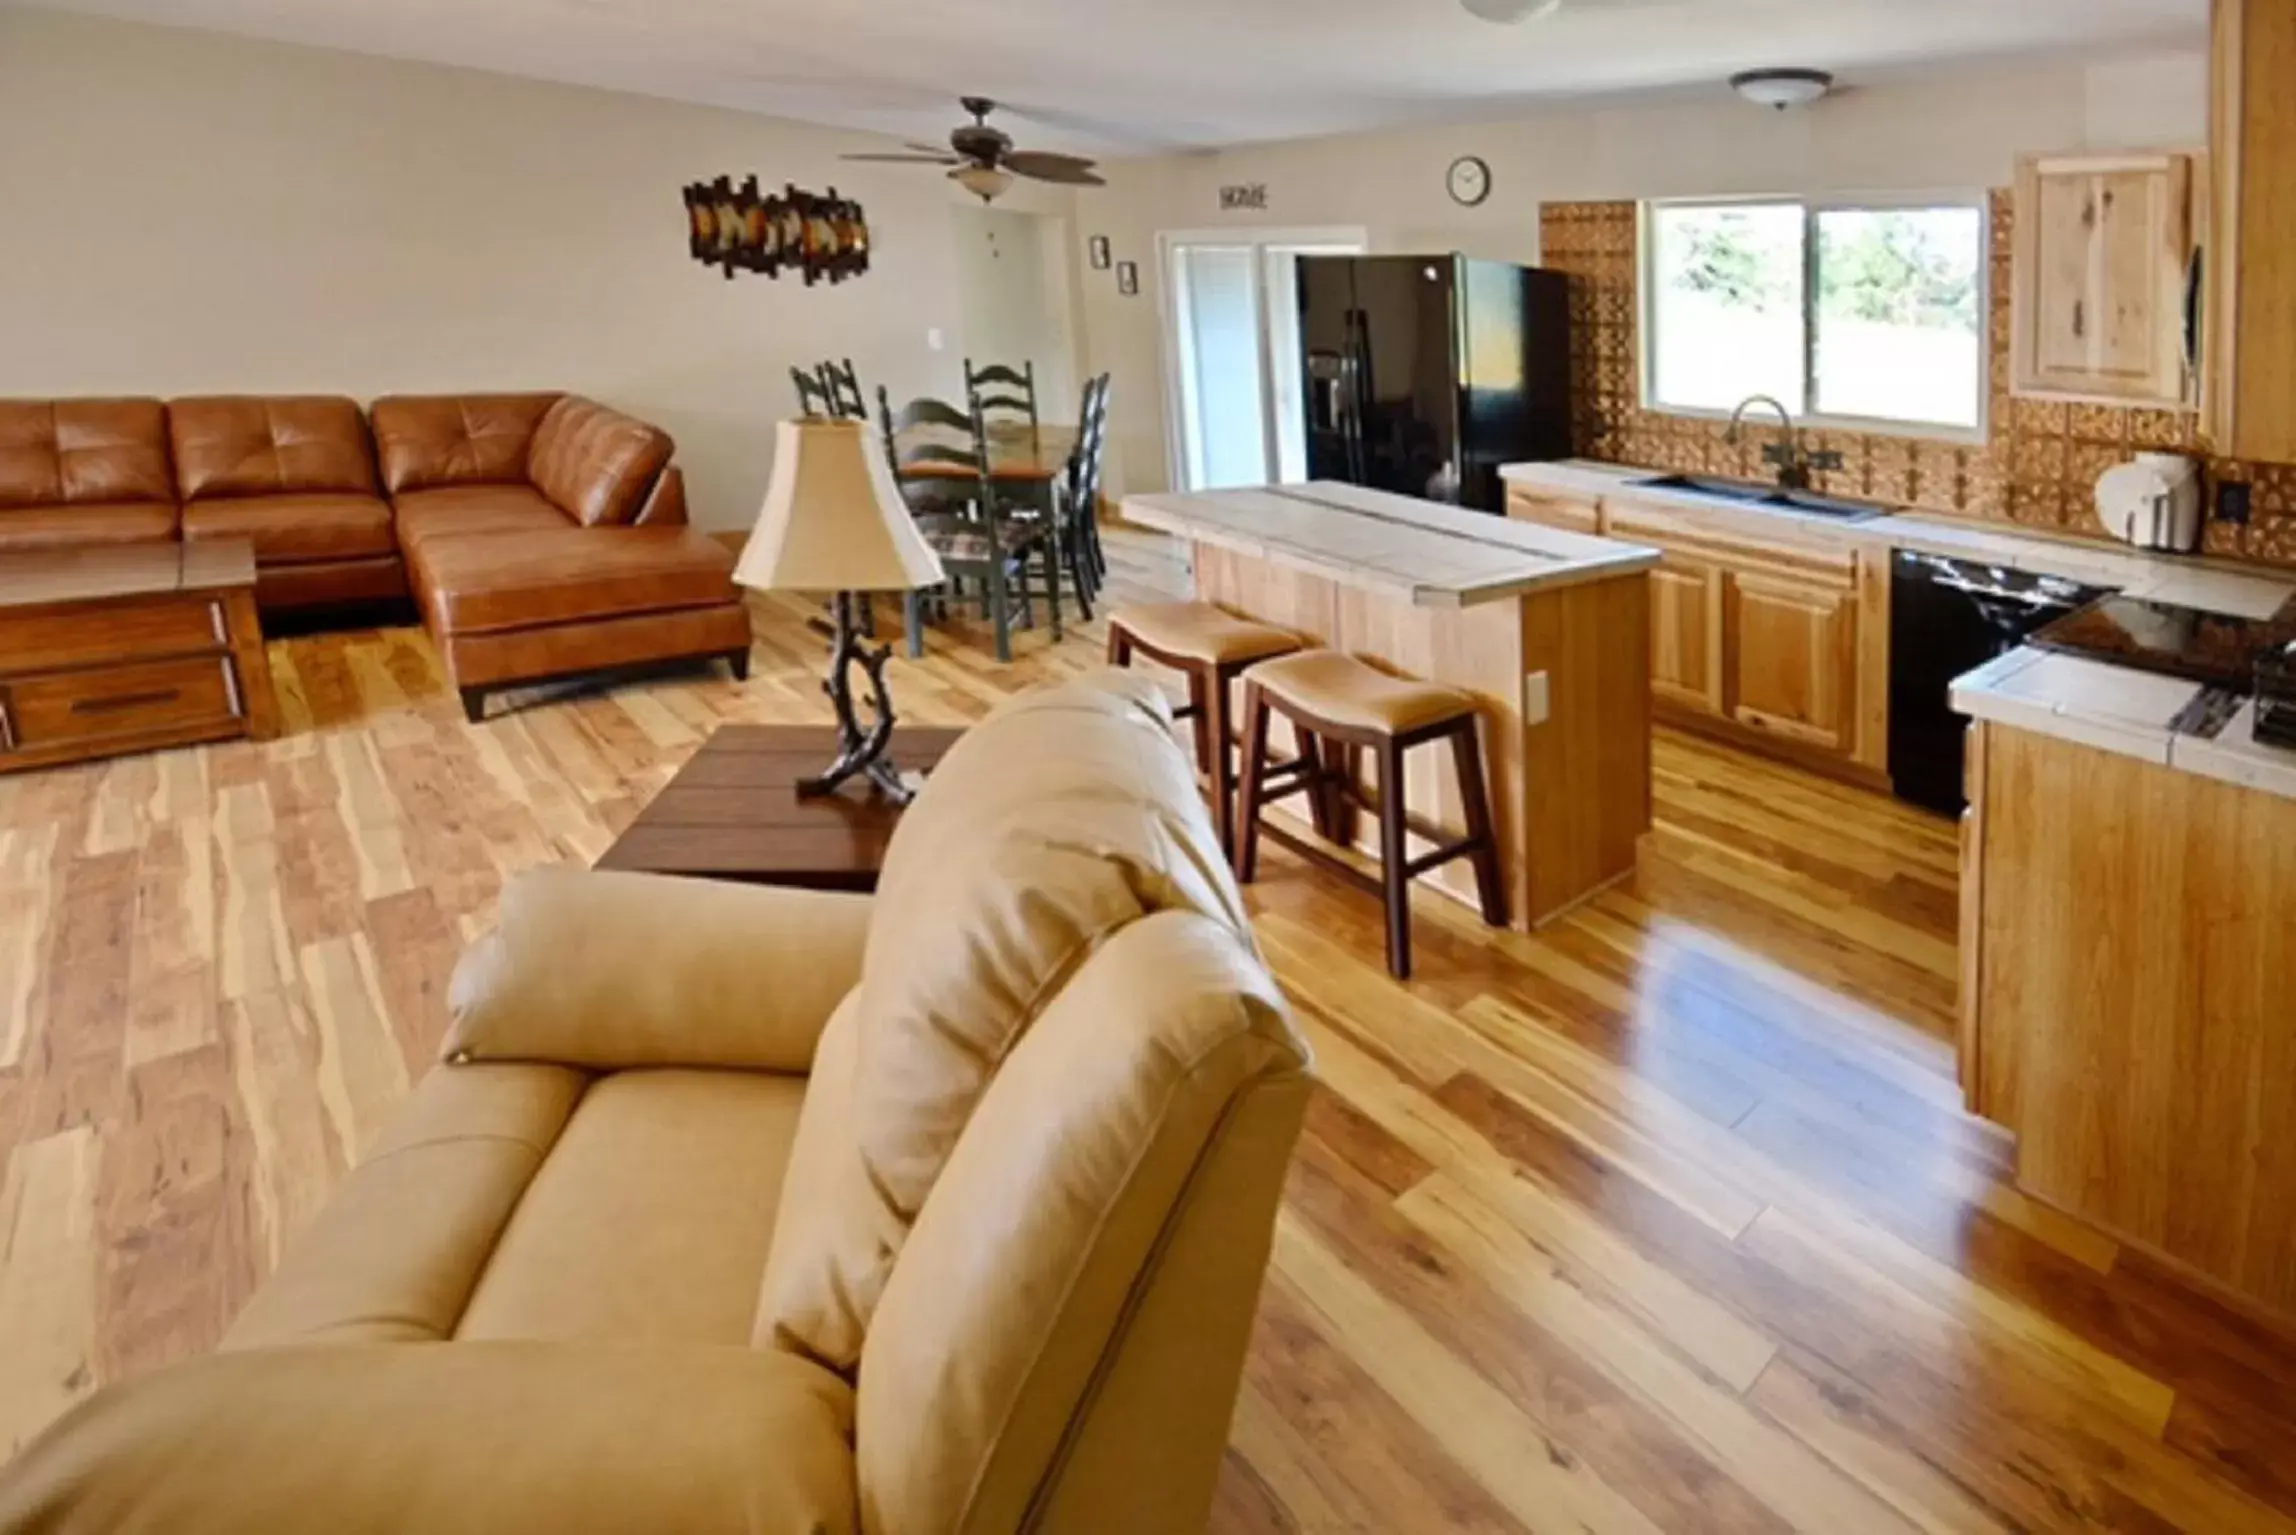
665, 504
446, 1438
612, 972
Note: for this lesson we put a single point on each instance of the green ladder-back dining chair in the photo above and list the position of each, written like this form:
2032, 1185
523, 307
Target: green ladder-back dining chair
983, 549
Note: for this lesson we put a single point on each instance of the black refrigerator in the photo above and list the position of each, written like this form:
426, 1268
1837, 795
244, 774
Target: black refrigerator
1423, 374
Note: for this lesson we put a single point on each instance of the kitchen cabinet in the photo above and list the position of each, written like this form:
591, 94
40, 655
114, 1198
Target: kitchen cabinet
1766, 637
1792, 648
2103, 248
1552, 509
2248, 349
1686, 632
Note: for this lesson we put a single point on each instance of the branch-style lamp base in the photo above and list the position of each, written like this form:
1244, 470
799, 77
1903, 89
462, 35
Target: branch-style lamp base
861, 753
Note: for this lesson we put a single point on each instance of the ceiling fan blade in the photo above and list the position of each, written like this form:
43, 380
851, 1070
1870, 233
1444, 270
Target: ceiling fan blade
930, 149
931, 159
1041, 165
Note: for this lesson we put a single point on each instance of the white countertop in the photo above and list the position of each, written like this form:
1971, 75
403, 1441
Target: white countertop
1418, 552
2119, 709
2186, 580
2095, 703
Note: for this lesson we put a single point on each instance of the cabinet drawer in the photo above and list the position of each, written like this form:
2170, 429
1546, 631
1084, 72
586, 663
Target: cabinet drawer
151, 698
44, 642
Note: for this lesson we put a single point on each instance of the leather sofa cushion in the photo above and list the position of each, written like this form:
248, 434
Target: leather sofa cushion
394, 1254
495, 581
1169, 1050
476, 1439
1055, 822
595, 464
296, 529
425, 514
100, 522
649, 1222
83, 452
251, 445
456, 439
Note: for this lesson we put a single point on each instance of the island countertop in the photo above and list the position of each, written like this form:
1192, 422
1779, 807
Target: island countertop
1420, 552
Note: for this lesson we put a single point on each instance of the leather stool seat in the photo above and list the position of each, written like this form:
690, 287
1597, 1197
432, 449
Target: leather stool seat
1344, 691
1198, 631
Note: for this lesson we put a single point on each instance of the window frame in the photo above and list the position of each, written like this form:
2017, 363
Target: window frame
1812, 205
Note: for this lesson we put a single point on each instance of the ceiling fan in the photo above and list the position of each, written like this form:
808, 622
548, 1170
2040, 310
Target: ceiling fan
985, 161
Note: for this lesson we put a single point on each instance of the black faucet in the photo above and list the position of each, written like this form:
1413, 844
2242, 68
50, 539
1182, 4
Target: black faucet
1793, 464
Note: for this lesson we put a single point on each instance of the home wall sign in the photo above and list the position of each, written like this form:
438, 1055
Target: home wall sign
738, 229
1244, 197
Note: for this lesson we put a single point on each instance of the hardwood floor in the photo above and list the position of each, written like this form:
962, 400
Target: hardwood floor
1665, 1219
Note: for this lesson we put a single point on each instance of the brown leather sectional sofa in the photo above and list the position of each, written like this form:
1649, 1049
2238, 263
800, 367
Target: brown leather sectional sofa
543, 535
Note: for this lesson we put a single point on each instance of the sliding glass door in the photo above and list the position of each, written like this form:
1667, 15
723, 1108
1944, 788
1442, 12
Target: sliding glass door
1232, 359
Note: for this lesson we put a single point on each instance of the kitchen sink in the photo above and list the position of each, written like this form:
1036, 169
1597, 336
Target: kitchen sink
1752, 493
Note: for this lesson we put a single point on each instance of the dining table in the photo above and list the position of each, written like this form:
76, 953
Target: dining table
1025, 462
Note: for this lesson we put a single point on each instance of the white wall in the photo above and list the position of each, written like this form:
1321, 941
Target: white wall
184, 212
1013, 285
1960, 129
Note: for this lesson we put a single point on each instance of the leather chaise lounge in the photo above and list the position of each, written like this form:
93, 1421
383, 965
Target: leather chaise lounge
542, 535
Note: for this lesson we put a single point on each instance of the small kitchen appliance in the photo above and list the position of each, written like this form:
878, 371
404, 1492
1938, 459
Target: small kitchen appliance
2152, 501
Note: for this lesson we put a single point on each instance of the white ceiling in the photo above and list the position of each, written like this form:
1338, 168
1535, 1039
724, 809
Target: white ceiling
1118, 76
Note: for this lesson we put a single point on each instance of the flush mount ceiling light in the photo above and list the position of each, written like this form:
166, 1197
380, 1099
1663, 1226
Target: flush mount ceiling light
1782, 88
1508, 12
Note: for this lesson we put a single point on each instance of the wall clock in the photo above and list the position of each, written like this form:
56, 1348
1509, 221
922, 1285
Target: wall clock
1469, 180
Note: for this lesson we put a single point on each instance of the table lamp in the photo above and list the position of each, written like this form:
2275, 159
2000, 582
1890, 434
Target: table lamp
834, 521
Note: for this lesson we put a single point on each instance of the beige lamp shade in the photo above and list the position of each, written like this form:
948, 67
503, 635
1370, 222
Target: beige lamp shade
833, 519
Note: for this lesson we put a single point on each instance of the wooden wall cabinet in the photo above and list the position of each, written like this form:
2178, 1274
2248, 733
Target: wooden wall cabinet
2248, 350
2103, 248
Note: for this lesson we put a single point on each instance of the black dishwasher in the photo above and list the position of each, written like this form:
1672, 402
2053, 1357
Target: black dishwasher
1947, 617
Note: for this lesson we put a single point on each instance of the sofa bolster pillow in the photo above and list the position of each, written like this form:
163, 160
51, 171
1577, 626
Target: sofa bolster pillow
448, 1438
614, 972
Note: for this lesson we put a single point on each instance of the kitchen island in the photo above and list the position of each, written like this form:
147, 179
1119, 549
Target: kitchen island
1549, 630
2128, 954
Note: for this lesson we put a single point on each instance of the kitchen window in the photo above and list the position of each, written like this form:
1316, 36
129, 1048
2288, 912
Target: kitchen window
1869, 315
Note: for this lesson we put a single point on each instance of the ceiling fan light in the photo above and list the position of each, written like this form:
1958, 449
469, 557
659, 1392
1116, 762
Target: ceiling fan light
1508, 12
1782, 88
985, 182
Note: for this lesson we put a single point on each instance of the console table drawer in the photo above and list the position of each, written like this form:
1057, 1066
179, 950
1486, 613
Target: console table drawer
187, 698
46, 642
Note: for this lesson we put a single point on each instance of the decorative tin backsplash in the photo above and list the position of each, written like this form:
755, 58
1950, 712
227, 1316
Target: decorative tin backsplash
2039, 465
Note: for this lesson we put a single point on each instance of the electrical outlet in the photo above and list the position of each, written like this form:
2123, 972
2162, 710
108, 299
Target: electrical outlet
2232, 498
1536, 707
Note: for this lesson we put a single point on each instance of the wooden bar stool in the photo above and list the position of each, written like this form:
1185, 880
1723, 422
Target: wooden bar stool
1340, 707
1212, 647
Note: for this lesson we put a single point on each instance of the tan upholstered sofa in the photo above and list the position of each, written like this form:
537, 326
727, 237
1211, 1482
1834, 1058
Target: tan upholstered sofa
943, 1210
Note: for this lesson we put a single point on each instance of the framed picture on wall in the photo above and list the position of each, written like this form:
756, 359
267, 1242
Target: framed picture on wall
1128, 278
1096, 249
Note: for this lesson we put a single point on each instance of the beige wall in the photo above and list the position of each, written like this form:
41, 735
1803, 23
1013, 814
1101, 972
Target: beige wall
184, 212
1953, 130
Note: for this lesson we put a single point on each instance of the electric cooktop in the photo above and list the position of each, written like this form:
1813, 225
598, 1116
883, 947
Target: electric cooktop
2218, 649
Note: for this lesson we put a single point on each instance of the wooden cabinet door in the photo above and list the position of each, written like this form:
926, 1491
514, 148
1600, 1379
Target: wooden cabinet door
2249, 287
2102, 248
1555, 511
1686, 632
1793, 659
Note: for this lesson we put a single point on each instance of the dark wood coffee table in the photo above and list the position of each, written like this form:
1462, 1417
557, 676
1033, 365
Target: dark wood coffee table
733, 812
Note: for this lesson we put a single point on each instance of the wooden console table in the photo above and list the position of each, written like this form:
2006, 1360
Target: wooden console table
127, 649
